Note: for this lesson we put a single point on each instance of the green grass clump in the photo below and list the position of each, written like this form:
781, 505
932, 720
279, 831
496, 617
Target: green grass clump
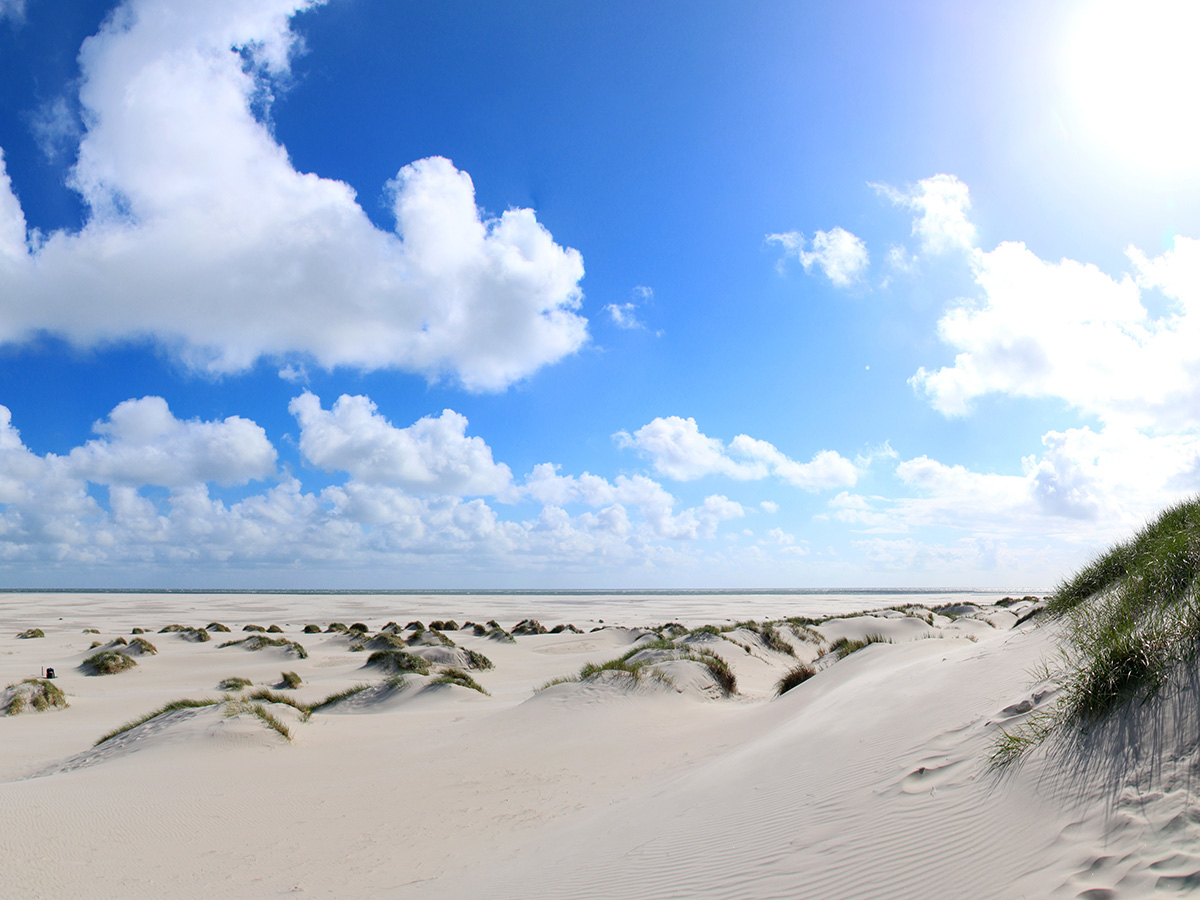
254, 628
218, 627
275, 697
360, 627
620, 664
794, 676
477, 660
459, 677
398, 661
1130, 619
31, 633
274, 629
290, 680
234, 684
775, 641
109, 662
163, 710
843, 647
312, 629
91, 631
339, 696
141, 645
138, 631
41, 694
705, 629
336, 628
718, 669
261, 642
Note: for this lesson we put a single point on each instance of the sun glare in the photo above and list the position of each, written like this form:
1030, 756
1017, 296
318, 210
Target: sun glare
1134, 72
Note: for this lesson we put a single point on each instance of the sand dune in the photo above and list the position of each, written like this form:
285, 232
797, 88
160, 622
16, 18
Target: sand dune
642, 780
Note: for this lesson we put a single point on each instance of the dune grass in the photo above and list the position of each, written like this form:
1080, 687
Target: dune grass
450, 675
290, 680
31, 633
398, 661
261, 642
109, 662
234, 684
794, 676
843, 647
162, 710
41, 695
339, 696
477, 660
1130, 619
312, 629
218, 627
141, 645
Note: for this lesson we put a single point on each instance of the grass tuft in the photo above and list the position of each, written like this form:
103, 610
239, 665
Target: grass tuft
458, 676
261, 642
39, 693
234, 684
1131, 618
843, 647
398, 661
109, 662
31, 633
290, 680
163, 710
794, 676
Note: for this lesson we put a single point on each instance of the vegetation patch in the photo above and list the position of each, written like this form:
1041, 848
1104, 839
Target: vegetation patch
162, 710
196, 635
108, 662
218, 627
31, 633
477, 660
312, 629
290, 680
360, 627
718, 669
274, 629
338, 697
274, 697
261, 642
447, 625
843, 647
336, 628
91, 631
1131, 619
254, 628
234, 684
794, 676
458, 676
138, 631
398, 661
39, 693
141, 645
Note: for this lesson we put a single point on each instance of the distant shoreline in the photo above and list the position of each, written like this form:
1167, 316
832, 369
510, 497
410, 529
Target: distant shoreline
531, 592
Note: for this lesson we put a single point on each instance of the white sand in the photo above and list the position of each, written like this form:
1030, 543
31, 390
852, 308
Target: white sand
869, 780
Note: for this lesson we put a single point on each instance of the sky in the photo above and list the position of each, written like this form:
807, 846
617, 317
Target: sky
370, 294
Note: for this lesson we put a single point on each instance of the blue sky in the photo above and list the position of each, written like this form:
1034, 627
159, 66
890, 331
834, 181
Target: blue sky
384, 295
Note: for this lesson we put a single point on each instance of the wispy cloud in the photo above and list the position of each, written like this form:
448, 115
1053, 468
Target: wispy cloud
841, 256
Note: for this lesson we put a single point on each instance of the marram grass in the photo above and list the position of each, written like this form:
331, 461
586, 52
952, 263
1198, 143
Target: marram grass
1130, 619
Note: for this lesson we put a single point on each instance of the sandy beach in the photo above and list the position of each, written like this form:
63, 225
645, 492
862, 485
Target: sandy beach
869, 779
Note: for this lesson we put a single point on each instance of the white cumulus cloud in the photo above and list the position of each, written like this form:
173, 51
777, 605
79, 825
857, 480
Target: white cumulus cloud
678, 449
202, 234
839, 254
1068, 330
433, 455
142, 443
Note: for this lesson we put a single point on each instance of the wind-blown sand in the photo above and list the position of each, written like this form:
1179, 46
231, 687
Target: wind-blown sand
870, 779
